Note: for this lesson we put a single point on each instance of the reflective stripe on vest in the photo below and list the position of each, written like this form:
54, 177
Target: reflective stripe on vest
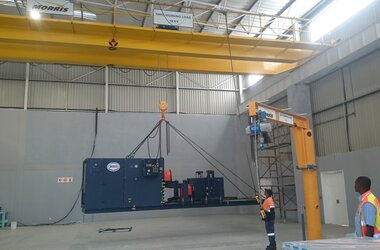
369, 197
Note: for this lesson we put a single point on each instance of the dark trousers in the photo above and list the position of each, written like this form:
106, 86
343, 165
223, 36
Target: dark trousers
269, 227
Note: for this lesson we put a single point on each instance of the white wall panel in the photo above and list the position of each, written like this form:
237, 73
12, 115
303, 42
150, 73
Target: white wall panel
12, 93
124, 98
12, 70
207, 94
222, 102
194, 101
138, 99
85, 96
47, 95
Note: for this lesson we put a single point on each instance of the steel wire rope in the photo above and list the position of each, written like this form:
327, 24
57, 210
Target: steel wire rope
212, 157
196, 149
236, 98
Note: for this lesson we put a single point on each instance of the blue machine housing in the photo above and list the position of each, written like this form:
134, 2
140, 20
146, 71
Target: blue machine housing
209, 189
111, 185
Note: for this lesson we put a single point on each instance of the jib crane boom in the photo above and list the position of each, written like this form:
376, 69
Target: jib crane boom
304, 146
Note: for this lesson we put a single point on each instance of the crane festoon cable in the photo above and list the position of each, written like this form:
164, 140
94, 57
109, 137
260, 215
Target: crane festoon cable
237, 100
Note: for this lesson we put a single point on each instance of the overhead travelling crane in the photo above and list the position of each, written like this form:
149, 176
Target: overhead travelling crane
78, 42
305, 154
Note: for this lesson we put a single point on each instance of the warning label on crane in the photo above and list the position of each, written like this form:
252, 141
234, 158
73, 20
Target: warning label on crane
286, 118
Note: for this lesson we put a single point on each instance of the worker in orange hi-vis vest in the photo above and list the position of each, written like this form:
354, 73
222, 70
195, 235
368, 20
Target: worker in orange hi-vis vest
268, 215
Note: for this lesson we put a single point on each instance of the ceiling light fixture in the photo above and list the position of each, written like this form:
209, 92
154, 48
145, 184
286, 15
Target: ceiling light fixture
34, 14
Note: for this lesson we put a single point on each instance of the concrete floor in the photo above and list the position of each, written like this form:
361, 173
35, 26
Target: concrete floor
196, 232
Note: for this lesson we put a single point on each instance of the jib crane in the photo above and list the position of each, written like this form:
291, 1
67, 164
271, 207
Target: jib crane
304, 146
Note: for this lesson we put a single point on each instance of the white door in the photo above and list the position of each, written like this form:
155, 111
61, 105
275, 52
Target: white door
334, 197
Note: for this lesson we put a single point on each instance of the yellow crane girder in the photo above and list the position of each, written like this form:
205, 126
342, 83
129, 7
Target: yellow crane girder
78, 42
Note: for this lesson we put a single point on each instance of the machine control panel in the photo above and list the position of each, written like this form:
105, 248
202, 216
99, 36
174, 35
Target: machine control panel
152, 168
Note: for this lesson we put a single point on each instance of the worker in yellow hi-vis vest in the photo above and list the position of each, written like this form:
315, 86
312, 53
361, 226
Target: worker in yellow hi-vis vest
268, 215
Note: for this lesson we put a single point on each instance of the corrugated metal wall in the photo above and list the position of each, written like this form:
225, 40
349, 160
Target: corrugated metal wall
345, 107
12, 84
75, 87
141, 90
56, 86
207, 94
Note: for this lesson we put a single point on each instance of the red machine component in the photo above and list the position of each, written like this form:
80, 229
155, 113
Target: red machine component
189, 190
167, 175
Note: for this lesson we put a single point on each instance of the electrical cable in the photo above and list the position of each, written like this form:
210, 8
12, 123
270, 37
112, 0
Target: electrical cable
167, 139
125, 71
65, 66
159, 141
134, 151
58, 221
80, 190
148, 74
147, 143
131, 15
102, 12
96, 132
237, 99
195, 148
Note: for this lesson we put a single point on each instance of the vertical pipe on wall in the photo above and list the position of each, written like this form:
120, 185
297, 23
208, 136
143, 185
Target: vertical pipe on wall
26, 92
240, 84
106, 90
346, 122
239, 94
177, 90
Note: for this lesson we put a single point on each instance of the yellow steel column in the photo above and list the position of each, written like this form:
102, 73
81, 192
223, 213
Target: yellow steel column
313, 216
304, 145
